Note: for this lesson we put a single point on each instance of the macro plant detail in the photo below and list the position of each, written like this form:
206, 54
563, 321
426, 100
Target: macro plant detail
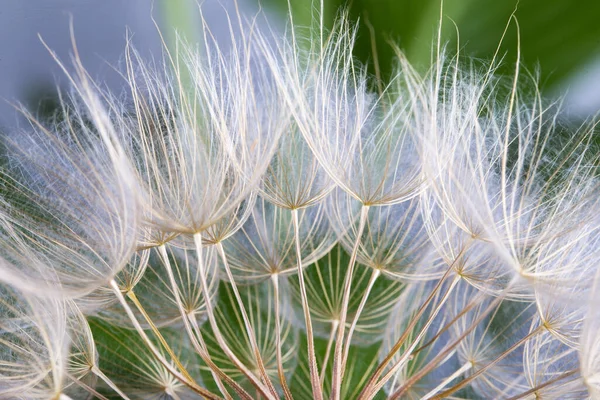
277, 223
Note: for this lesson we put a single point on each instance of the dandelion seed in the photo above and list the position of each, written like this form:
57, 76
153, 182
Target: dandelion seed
34, 347
68, 225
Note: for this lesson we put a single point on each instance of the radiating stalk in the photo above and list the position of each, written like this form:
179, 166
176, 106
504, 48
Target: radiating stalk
334, 327
407, 355
543, 385
249, 329
131, 295
501, 357
280, 371
445, 328
191, 384
199, 347
96, 371
214, 368
446, 351
467, 366
398, 345
87, 388
372, 388
264, 391
336, 384
312, 359
374, 275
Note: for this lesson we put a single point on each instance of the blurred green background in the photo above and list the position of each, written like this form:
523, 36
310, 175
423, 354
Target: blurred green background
556, 36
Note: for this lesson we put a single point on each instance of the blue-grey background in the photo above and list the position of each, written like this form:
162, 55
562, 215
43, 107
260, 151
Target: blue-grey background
561, 38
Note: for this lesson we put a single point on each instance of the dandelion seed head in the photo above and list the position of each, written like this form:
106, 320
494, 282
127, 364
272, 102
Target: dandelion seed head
271, 221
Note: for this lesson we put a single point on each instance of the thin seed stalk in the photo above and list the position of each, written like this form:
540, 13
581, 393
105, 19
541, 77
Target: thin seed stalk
90, 391
216, 371
374, 275
445, 328
467, 366
543, 385
398, 345
501, 357
96, 371
217, 332
249, 329
337, 372
312, 359
446, 352
191, 384
408, 353
280, 371
131, 295
334, 327
199, 347
87, 388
